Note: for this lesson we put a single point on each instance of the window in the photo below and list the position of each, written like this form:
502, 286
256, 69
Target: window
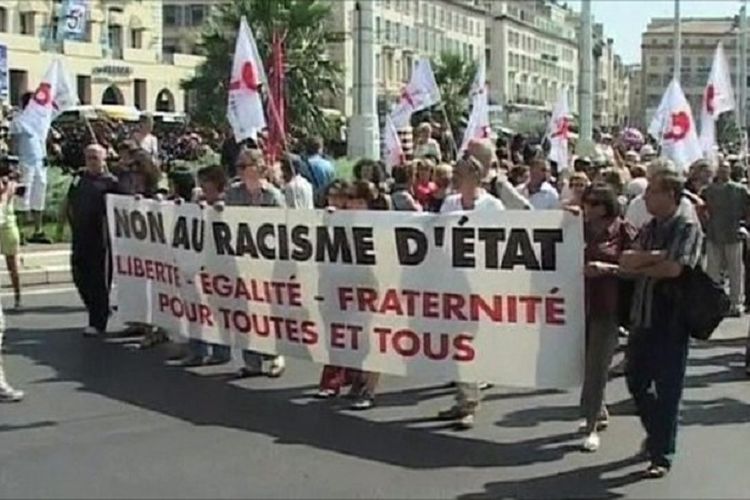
378, 69
670, 62
378, 29
170, 15
84, 88
702, 63
136, 39
197, 14
27, 23
653, 61
387, 30
3, 20
686, 61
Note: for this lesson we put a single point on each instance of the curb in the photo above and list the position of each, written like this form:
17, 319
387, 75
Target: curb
36, 268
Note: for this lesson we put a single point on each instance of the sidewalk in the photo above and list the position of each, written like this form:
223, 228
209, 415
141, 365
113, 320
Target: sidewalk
40, 265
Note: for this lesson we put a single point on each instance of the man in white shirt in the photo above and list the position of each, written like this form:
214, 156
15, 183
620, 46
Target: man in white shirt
297, 190
540, 193
32, 153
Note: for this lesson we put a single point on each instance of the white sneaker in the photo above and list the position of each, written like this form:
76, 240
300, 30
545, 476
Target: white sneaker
90, 331
591, 443
11, 395
278, 365
325, 394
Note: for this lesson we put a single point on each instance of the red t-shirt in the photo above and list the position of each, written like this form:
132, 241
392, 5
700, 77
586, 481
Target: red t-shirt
423, 192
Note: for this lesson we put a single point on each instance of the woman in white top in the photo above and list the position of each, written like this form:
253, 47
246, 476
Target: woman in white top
469, 196
424, 145
145, 139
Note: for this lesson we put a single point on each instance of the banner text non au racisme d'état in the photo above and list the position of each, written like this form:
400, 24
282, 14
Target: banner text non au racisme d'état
492, 296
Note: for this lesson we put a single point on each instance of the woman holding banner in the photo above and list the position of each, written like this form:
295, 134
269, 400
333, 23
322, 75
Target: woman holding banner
606, 235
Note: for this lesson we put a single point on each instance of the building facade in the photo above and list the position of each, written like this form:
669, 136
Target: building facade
533, 54
635, 96
405, 30
119, 60
700, 36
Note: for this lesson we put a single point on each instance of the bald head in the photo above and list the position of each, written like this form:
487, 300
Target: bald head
484, 151
95, 156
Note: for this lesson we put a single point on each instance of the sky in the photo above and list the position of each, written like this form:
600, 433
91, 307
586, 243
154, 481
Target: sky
625, 20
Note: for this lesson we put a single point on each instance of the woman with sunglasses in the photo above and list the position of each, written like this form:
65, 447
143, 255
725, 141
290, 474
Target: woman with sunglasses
606, 236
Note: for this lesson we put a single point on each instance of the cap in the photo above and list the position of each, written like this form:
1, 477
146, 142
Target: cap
647, 150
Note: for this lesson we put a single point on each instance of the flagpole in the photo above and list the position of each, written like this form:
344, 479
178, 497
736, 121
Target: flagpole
677, 41
585, 144
743, 69
454, 146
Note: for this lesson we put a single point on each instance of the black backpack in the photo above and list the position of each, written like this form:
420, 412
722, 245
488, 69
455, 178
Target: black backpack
701, 304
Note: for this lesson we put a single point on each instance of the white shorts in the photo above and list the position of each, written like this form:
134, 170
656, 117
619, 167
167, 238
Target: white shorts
35, 180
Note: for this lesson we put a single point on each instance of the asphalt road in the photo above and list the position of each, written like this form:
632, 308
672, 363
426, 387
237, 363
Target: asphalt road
104, 420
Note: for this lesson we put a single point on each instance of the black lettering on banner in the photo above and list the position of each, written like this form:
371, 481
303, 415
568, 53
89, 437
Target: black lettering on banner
223, 238
139, 225
181, 238
198, 236
519, 251
300, 239
548, 240
336, 246
411, 246
245, 243
364, 246
283, 242
156, 226
491, 238
463, 247
122, 223
266, 250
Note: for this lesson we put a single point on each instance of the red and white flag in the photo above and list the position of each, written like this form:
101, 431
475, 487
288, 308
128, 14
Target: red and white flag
53, 96
245, 106
394, 152
421, 92
718, 98
478, 126
674, 127
558, 133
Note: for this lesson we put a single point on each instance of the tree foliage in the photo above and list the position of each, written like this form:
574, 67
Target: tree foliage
454, 75
310, 73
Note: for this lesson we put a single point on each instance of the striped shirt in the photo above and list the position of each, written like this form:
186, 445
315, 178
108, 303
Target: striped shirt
682, 239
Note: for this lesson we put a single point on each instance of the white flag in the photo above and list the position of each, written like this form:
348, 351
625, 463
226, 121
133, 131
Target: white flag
479, 120
718, 98
420, 93
245, 106
558, 133
53, 96
674, 127
394, 152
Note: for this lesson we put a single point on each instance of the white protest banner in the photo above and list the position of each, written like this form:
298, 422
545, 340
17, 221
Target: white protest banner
420, 93
469, 297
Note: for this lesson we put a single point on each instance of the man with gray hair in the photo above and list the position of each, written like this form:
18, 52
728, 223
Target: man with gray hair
495, 182
637, 213
86, 208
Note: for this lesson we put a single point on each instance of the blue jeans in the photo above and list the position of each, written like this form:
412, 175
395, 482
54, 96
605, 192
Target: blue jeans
200, 348
657, 358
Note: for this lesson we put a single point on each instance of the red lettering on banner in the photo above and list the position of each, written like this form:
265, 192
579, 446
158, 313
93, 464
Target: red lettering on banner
477, 304
391, 303
465, 351
382, 334
430, 305
406, 343
147, 268
554, 310
366, 298
512, 310
338, 335
309, 333
453, 305
531, 303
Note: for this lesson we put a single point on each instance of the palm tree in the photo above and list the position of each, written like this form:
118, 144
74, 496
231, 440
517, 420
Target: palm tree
454, 75
310, 73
